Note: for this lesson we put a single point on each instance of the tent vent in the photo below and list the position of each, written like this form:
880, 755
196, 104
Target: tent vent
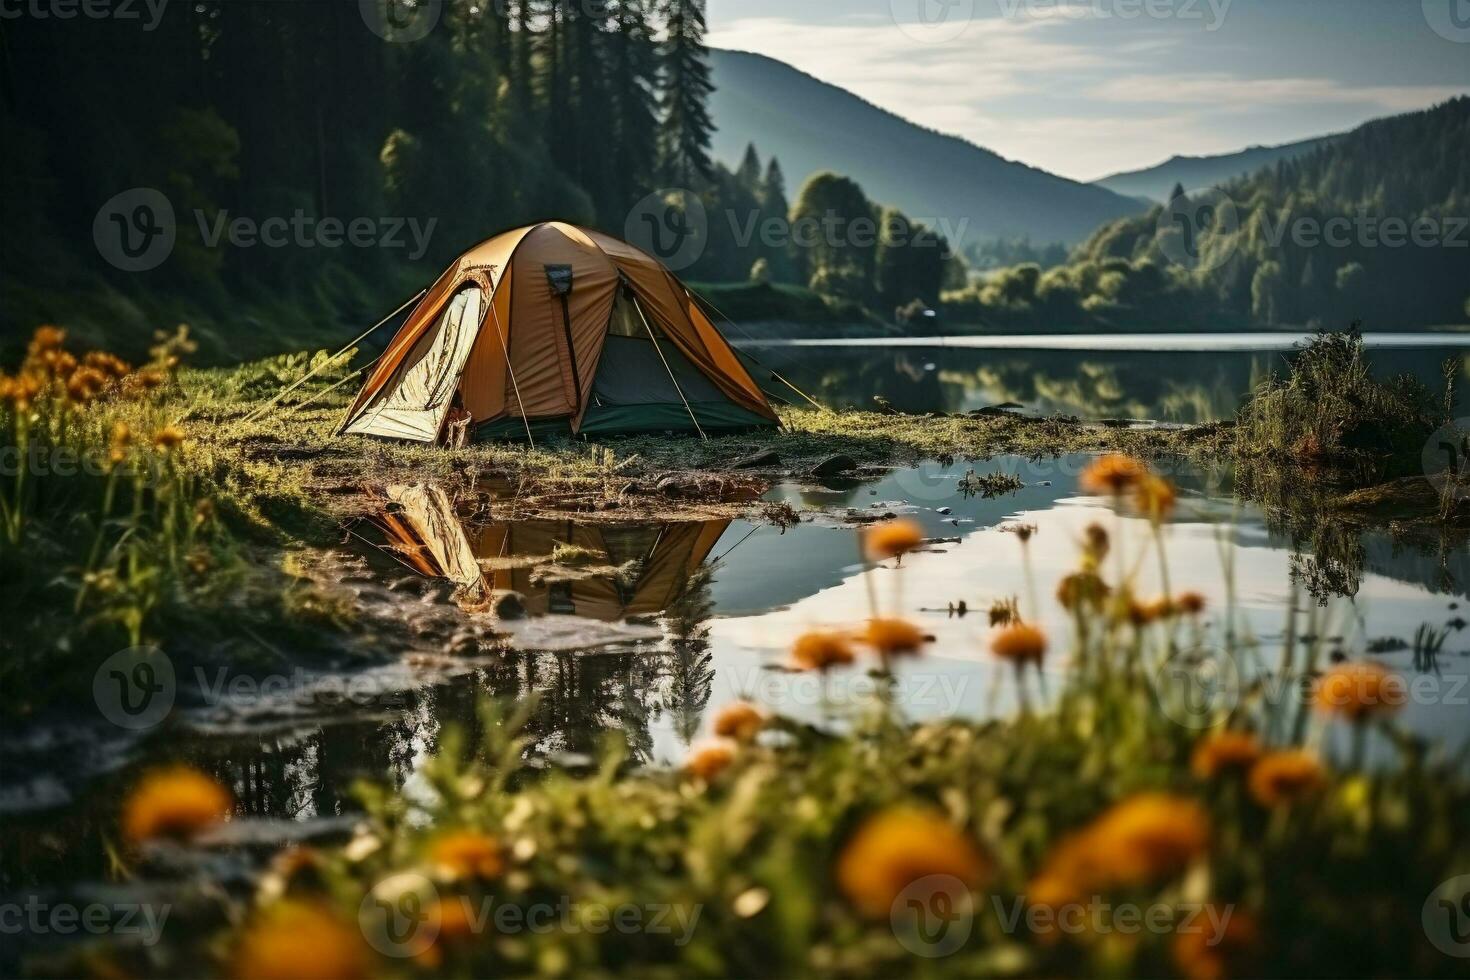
560, 277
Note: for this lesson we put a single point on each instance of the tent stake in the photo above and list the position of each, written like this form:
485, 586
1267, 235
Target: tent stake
329, 361
639, 307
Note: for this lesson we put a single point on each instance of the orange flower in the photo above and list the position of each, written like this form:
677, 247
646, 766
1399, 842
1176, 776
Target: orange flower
121, 441
1020, 643
85, 385
1082, 589
1095, 544
1201, 954
1154, 496
1282, 777
1112, 474
739, 720
1142, 613
899, 846
47, 338
893, 637
460, 854
174, 802
1150, 836
710, 758
1190, 603
1225, 751
820, 650
892, 539
291, 940
168, 437
1359, 690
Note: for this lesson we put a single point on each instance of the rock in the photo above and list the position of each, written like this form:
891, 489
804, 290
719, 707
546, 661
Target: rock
464, 645
406, 583
671, 486
834, 465
942, 510
508, 605
757, 460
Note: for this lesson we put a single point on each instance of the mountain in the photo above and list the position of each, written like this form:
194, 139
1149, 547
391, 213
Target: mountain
1370, 226
812, 126
1199, 173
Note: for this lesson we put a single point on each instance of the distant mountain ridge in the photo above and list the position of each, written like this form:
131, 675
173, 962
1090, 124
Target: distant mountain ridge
1202, 172
812, 126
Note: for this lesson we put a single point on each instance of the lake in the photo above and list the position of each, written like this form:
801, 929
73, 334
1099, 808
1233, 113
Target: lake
1183, 378
687, 616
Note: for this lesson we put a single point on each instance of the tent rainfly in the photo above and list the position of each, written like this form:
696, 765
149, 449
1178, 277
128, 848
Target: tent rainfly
552, 329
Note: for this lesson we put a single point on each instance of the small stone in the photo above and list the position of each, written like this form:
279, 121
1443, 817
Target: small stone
942, 510
834, 465
671, 486
508, 605
757, 460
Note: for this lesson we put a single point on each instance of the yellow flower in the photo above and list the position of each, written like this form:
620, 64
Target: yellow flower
168, 437
893, 637
174, 802
739, 720
819, 650
1112, 474
460, 854
1020, 643
1095, 544
1082, 589
1225, 751
892, 539
897, 847
121, 441
1359, 690
1282, 777
291, 940
1154, 496
710, 758
1200, 954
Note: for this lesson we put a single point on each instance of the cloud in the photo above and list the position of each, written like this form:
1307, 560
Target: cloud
1066, 94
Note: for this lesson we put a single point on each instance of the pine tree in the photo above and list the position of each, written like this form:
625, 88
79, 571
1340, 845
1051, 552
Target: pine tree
775, 206
685, 134
632, 65
749, 173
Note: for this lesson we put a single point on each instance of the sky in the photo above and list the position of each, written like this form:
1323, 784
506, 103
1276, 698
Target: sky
1087, 88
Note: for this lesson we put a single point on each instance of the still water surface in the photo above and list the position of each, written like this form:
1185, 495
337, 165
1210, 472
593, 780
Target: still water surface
1184, 378
701, 613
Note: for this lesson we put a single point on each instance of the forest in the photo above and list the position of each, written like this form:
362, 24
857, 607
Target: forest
1319, 240
297, 114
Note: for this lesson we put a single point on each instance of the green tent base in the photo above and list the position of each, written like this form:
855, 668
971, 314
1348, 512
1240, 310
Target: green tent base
714, 417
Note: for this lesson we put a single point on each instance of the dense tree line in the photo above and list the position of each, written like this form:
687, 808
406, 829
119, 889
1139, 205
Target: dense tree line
502, 113
1372, 226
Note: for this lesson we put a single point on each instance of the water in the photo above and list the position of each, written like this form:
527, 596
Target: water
674, 619
1185, 378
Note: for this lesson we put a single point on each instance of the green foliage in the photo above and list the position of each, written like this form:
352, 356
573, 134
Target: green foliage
1331, 410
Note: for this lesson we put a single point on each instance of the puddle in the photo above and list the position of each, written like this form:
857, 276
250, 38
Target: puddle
647, 628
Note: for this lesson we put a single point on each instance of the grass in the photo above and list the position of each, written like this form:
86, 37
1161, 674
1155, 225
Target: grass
787, 850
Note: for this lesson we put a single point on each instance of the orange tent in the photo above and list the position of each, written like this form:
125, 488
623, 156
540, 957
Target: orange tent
555, 328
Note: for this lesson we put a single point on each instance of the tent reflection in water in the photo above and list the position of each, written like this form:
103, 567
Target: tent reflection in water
654, 562
556, 329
